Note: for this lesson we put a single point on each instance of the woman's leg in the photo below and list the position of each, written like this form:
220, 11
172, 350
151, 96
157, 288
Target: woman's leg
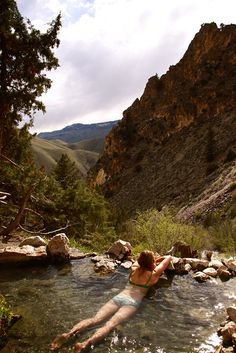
123, 314
106, 311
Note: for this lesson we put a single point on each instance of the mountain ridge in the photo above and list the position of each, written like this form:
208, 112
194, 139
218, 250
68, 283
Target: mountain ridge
78, 132
175, 141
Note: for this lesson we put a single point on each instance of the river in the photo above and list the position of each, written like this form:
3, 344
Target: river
179, 316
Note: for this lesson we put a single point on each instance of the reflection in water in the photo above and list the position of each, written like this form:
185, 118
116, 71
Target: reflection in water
179, 316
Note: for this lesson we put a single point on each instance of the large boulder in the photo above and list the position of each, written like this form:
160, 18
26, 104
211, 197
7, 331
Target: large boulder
120, 249
58, 248
33, 241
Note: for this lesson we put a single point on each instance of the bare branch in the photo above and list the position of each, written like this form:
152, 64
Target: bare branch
10, 161
51, 232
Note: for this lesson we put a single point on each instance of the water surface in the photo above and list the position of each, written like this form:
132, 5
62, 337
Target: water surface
180, 316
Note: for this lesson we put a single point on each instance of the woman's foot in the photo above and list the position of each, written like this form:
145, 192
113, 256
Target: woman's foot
58, 342
79, 347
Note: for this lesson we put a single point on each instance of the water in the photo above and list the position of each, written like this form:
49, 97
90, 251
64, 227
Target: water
180, 316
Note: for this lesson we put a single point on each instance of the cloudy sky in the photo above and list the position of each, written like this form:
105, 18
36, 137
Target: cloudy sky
109, 49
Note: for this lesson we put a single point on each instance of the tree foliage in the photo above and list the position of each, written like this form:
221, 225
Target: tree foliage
25, 55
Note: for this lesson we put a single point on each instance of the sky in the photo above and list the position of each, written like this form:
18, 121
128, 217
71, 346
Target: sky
109, 49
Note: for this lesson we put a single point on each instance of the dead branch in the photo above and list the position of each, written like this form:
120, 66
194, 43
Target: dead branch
15, 222
51, 232
11, 162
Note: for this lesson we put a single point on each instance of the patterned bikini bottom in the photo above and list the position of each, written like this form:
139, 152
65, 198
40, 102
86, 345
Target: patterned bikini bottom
125, 300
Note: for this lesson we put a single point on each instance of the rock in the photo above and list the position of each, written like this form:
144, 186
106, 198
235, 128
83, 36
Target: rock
230, 264
228, 350
33, 241
187, 267
120, 249
26, 253
216, 264
197, 264
105, 266
58, 248
231, 311
210, 271
234, 338
223, 274
76, 254
97, 258
200, 276
180, 267
206, 255
127, 264
227, 332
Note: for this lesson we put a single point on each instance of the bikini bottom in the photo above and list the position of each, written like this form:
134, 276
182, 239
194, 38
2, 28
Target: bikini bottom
125, 300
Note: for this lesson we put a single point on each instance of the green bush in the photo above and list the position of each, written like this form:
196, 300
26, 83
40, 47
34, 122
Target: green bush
5, 320
223, 236
158, 231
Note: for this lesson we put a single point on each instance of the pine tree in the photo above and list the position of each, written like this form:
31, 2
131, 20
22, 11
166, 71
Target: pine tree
25, 55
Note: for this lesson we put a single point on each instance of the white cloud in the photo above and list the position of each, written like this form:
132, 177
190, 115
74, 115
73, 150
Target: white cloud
109, 49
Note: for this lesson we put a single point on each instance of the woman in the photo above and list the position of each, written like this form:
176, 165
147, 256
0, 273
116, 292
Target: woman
145, 272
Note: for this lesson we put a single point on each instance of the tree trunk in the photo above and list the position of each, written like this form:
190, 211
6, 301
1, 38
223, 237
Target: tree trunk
15, 222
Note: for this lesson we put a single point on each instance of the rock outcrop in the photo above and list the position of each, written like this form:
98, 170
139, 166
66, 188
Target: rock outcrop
179, 137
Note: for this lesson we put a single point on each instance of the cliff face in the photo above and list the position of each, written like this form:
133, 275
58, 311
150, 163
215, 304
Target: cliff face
175, 140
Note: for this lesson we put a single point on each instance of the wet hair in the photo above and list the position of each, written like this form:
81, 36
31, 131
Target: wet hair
146, 260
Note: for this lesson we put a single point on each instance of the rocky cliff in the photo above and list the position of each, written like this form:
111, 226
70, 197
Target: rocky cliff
178, 141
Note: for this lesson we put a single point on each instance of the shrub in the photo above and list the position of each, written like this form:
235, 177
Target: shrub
158, 231
5, 320
223, 236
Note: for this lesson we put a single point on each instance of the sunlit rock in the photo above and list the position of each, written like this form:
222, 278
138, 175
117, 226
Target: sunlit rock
200, 276
230, 264
105, 266
210, 271
216, 264
197, 264
58, 248
126, 264
33, 241
26, 253
120, 249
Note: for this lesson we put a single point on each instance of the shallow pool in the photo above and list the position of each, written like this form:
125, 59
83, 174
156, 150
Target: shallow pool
180, 316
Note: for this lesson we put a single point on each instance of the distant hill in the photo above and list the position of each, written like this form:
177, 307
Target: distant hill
82, 143
78, 132
47, 153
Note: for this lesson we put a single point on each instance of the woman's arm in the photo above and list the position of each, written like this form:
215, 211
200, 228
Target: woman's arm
162, 266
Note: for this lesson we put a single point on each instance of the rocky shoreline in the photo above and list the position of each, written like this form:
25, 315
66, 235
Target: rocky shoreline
35, 250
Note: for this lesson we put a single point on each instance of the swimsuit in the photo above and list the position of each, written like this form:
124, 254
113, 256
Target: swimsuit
124, 300
141, 285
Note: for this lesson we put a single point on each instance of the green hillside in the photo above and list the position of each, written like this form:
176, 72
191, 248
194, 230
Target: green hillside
47, 153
